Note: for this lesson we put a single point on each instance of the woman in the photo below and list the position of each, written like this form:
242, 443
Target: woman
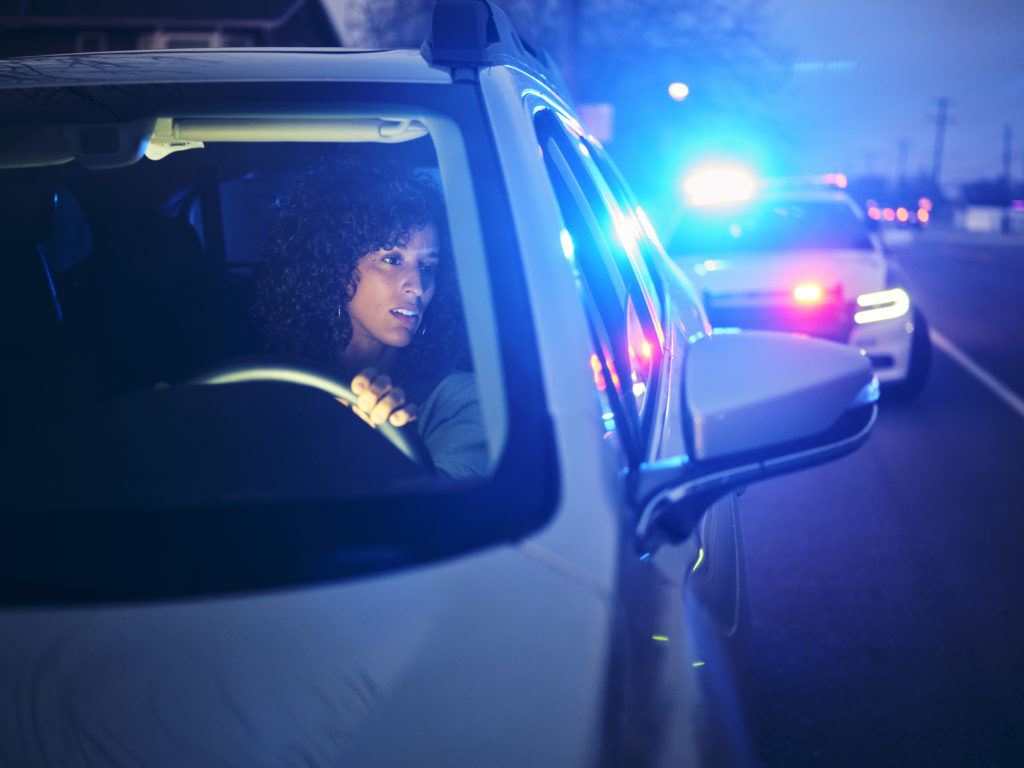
357, 275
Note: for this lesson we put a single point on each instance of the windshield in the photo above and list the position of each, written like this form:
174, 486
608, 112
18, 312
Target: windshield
779, 225
236, 319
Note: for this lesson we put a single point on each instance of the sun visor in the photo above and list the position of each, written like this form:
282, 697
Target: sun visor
178, 134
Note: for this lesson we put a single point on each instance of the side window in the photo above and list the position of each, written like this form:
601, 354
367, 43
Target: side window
646, 237
601, 294
628, 338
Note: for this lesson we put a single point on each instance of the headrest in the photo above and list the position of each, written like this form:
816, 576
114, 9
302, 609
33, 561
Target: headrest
154, 246
26, 211
29, 310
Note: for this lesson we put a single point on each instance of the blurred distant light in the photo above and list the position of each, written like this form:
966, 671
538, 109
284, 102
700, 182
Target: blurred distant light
711, 265
807, 293
678, 91
714, 186
925, 203
923, 215
836, 180
1017, 205
889, 214
874, 212
902, 213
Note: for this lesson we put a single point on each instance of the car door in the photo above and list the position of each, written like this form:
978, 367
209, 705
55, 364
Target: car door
680, 601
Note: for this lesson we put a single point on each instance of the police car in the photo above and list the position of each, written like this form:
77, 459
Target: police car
207, 560
799, 258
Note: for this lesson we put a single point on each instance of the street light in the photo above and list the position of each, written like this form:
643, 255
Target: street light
678, 91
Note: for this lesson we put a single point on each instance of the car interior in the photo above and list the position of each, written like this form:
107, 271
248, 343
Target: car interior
121, 283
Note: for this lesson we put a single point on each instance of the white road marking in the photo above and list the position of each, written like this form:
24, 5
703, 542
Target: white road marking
1001, 391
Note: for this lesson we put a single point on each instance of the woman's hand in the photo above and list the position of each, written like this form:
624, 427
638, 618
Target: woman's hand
378, 401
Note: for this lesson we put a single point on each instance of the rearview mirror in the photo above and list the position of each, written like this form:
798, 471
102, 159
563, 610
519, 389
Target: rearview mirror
758, 404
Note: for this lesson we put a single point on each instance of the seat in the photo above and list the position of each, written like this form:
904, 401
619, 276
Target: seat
30, 311
153, 304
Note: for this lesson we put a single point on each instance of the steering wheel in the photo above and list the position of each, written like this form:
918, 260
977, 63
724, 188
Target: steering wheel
304, 374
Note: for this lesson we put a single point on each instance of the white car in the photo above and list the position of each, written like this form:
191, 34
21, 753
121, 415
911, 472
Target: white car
207, 560
801, 260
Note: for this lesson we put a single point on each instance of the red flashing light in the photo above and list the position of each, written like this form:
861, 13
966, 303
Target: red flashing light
925, 204
874, 212
889, 214
902, 214
807, 293
923, 215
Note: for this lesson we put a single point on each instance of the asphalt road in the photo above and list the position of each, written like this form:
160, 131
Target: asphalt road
887, 589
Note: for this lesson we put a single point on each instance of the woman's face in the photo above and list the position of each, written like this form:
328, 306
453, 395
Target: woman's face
393, 291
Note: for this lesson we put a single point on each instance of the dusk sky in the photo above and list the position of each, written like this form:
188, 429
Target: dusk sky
870, 72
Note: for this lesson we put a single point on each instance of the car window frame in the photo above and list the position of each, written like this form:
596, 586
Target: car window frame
559, 129
304, 537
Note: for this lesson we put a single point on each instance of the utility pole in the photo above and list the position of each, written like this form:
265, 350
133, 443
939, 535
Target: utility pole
1007, 153
940, 137
1007, 159
571, 18
902, 150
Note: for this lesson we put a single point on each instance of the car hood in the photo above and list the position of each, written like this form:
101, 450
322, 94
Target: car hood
492, 659
853, 271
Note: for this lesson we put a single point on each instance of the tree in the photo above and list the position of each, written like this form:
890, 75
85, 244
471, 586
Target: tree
626, 52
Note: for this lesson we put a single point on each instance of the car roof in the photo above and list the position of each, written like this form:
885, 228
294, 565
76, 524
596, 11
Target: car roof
219, 65
803, 196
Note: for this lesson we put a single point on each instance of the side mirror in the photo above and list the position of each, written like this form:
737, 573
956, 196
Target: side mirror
758, 404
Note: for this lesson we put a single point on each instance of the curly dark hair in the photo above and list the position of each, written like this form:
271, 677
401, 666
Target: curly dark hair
344, 208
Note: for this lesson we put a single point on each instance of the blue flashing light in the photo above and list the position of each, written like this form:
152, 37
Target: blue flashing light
718, 186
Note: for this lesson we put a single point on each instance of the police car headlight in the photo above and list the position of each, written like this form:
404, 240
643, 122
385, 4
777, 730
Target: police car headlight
881, 305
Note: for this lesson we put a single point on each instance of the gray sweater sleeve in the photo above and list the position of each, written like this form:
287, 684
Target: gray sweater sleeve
451, 425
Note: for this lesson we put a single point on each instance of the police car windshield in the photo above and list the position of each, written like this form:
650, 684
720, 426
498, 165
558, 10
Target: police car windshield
775, 225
